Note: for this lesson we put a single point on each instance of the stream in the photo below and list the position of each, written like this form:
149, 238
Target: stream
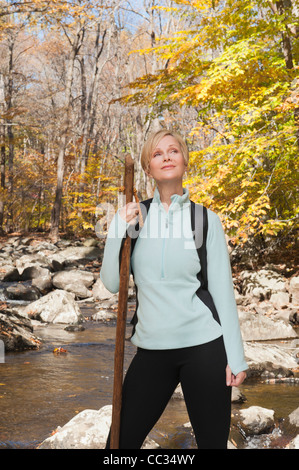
40, 390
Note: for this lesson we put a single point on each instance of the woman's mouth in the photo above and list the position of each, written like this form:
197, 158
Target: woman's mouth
167, 167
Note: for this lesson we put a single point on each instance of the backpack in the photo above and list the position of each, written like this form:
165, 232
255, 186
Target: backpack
199, 215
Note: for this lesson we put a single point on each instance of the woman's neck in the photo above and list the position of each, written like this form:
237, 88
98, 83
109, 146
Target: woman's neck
168, 190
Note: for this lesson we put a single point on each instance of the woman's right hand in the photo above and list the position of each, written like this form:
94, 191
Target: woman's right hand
129, 213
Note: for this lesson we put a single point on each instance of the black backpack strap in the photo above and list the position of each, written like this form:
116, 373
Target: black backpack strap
200, 224
135, 230
144, 206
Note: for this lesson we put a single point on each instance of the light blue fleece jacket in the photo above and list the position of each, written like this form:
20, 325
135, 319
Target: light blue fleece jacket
165, 264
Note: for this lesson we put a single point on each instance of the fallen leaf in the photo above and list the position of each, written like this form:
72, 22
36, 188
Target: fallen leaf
59, 350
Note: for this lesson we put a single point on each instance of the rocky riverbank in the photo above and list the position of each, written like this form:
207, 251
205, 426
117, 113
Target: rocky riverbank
45, 283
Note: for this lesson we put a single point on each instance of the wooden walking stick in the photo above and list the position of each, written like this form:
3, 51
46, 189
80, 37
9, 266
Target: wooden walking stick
124, 274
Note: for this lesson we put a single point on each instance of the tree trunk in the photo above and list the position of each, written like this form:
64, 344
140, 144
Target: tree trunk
283, 7
2, 155
10, 135
89, 112
56, 210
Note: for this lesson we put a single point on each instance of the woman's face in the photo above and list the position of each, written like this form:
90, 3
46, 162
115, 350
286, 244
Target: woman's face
167, 162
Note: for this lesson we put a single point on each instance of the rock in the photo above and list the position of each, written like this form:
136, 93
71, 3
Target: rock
41, 246
74, 328
240, 299
280, 299
68, 255
294, 316
80, 253
79, 290
33, 272
265, 359
237, 395
56, 307
9, 273
178, 393
104, 315
21, 292
294, 290
256, 327
76, 281
288, 315
29, 260
255, 420
16, 331
262, 284
294, 417
294, 444
99, 291
43, 283
72, 276
90, 242
87, 430
57, 264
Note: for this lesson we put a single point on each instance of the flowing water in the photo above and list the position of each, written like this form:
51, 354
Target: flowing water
40, 390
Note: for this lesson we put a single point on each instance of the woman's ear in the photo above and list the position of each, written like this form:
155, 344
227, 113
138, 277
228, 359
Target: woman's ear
147, 172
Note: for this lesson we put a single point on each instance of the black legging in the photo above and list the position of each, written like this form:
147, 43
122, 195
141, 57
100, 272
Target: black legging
151, 380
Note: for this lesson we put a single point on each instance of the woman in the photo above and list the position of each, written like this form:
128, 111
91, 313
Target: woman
177, 338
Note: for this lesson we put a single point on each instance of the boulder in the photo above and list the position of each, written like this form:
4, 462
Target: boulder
99, 291
262, 284
104, 315
32, 260
75, 280
237, 396
87, 430
280, 300
268, 359
33, 272
21, 292
16, 332
80, 253
257, 327
91, 242
254, 420
56, 307
294, 289
9, 273
294, 417
72, 276
294, 444
43, 283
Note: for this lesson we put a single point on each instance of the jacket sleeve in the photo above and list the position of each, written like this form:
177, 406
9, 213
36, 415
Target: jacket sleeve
220, 285
109, 273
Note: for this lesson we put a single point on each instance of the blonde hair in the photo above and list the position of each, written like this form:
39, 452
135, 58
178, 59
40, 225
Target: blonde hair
152, 143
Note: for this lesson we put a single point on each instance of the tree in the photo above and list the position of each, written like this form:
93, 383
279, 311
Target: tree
235, 64
75, 47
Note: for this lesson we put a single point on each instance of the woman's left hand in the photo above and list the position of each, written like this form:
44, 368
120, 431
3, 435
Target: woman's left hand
234, 380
